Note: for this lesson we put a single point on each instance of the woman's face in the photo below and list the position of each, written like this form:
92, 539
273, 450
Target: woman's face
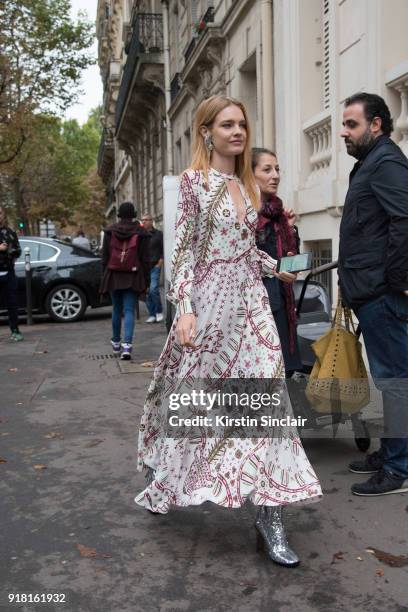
229, 132
267, 174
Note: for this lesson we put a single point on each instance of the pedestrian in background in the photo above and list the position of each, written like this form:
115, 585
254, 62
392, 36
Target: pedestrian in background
126, 274
373, 276
153, 301
81, 241
10, 250
277, 235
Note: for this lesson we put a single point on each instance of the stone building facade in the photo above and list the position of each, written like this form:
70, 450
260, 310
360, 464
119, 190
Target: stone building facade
292, 62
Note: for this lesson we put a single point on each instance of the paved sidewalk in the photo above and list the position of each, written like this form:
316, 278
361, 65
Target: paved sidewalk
69, 417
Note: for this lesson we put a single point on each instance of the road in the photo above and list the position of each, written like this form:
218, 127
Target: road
69, 417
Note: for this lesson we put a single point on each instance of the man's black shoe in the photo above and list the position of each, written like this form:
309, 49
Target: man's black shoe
371, 464
381, 483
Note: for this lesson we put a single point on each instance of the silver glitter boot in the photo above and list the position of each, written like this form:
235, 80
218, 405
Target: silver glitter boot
271, 535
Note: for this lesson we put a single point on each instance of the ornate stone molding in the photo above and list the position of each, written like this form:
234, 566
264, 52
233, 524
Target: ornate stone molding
397, 79
153, 74
318, 131
204, 73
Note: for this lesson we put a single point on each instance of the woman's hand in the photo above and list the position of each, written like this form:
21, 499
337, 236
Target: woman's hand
291, 216
286, 277
186, 330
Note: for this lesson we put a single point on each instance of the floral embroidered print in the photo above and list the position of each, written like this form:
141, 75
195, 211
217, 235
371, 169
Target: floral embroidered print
217, 275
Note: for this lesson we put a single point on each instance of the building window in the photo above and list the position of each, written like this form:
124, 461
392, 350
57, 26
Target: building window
322, 254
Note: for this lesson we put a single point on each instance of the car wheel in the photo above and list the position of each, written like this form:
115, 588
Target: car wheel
66, 303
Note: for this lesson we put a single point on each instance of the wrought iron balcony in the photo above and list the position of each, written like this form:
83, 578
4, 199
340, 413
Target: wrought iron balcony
189, 49
175, 86
105, 155
146, 40
207, 18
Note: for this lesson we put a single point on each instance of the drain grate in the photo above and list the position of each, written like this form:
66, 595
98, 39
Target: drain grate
98, 356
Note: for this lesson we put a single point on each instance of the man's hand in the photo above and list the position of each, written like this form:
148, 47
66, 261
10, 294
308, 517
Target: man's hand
286, 277
406, 292
3, 246
159, 263
186, 330
290, 215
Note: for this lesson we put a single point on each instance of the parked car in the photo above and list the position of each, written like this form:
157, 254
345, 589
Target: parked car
65, 278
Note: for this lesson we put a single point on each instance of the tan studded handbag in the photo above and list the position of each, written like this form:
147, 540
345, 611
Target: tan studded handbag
338, 381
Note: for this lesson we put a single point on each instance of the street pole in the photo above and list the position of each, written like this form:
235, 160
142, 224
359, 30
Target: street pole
167, 86
29, 301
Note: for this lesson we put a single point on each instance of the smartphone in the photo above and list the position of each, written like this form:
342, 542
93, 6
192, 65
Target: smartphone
296, 263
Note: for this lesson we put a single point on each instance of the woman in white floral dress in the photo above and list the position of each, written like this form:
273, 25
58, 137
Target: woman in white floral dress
223, 329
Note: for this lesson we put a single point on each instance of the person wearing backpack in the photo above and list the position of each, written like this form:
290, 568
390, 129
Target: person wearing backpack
126, 274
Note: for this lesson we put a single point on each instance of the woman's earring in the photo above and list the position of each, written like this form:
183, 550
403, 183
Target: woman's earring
208, 143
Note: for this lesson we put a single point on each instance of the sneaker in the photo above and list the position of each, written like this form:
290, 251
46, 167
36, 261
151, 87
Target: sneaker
126, 351
159, 317
115, 347
369, 465
151, 319
16, 336
381, 483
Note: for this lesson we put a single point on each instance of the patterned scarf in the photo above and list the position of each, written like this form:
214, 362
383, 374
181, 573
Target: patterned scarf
272, 212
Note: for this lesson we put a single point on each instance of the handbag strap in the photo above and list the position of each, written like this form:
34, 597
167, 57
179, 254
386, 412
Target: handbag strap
343, 312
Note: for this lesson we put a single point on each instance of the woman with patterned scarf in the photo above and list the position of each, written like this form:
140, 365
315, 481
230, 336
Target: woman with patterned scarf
277, 235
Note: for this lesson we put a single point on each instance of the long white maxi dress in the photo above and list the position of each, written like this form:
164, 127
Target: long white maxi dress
217, 274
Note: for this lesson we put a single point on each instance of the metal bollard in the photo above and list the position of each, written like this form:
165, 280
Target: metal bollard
29, 300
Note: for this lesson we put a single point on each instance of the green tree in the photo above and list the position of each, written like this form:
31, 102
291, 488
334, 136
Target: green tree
55, 174
43, 52
49, 180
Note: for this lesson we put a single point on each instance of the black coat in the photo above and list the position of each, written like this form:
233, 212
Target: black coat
155, 245
7, 258
373, 251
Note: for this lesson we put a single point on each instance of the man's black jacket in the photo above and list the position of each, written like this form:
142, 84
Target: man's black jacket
156, 246
7, 258
373, 251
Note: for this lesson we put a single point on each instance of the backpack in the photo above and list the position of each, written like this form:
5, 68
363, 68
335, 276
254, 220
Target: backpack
123, 254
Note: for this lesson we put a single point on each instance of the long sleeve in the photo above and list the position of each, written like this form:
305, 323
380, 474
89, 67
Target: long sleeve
14, 248
390, 186
144, 257
182, 265
268, 264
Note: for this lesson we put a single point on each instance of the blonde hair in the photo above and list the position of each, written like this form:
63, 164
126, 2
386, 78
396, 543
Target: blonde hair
204, 117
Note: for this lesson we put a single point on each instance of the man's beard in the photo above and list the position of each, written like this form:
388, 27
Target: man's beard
360, 148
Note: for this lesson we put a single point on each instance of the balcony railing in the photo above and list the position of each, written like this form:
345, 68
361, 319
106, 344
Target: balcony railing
105, 152
175, 86
397, 79
207, 18
147, 38
189, 49
318, 131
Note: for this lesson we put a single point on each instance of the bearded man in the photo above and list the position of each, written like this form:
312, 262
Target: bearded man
373, 278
